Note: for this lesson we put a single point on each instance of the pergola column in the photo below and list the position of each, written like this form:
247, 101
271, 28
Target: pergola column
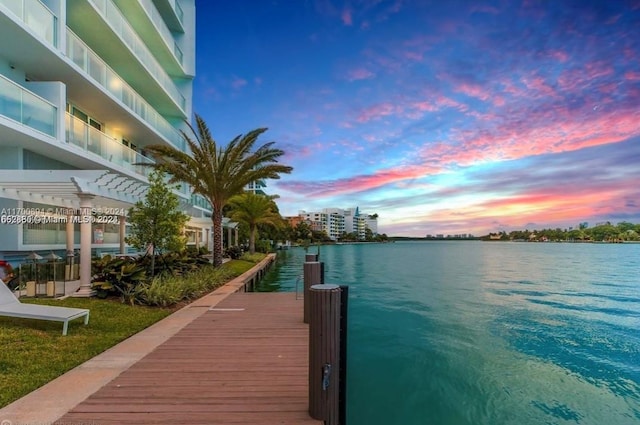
85, 289
69, 234
237, 237
228, 237
121, 233
69, 231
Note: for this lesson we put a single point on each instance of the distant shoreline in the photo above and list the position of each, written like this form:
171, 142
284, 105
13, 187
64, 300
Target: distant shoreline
402, 238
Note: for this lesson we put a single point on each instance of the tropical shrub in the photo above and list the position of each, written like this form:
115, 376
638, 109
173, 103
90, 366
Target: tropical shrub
264, 246
167, 290
233, 252
122, 276
177, 263
252, 258
117, 276
163, 291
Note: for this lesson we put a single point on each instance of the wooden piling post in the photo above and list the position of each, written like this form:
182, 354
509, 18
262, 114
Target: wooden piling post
310, 257
312, 276
324, 353
344, 314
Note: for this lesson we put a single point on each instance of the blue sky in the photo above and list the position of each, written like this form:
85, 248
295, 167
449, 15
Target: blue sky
441, 117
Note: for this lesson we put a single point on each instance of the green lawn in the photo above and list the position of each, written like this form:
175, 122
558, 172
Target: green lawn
34, 352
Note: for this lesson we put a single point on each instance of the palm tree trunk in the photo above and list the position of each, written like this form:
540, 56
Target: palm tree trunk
252, 240
216, 218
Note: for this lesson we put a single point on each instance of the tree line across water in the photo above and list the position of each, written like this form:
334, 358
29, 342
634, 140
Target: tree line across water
606, 232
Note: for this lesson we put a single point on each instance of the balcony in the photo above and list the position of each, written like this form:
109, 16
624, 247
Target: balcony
172, 13
162, 29
200, 202
89, 139
114, 18
27, 108
36, 16
178, 10
103, 75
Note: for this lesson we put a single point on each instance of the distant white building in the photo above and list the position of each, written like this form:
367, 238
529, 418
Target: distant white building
329, 220
336, 221
371, 221
256, 187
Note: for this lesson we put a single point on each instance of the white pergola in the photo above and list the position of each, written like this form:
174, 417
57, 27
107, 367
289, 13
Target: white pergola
205, 223
230, 226
80, 190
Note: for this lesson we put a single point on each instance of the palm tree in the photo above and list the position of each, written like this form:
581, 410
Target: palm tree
219, 172
253, 209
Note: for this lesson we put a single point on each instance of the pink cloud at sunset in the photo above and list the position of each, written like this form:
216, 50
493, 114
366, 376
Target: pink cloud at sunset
356, 183
632, 76
359, 74
473, 90
559, 55
376, 112
518, 140
346, 17
238, 82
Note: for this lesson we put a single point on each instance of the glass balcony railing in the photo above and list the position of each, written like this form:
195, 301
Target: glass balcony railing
102, 74
162, 28
199, 201
27, 108
179, 11
36, 16
178, 52
120, 26
90, 139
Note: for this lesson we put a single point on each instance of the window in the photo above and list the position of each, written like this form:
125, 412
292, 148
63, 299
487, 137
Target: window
95, 124
81, 115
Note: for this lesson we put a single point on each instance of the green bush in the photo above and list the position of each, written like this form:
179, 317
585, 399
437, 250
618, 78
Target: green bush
128, 277
252, 258
117, 276
176, 263
167, 290
163, 291
233, 252
184, 278
264, 246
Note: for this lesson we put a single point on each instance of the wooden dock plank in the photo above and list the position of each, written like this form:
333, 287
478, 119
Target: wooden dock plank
245, 362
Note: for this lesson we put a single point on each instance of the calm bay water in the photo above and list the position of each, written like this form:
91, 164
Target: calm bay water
457, 333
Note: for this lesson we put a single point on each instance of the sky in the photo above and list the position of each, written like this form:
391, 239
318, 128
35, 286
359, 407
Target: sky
443, 117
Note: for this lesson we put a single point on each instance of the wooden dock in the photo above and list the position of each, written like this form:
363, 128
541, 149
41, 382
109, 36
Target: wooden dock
244, 361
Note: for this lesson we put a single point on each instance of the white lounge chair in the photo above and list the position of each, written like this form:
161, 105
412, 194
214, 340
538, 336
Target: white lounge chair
11, 306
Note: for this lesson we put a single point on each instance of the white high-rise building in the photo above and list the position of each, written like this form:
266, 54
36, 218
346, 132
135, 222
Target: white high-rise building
335, 222
85, 85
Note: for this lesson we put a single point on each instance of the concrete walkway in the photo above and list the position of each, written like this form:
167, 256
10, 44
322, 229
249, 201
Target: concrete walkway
52, 401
